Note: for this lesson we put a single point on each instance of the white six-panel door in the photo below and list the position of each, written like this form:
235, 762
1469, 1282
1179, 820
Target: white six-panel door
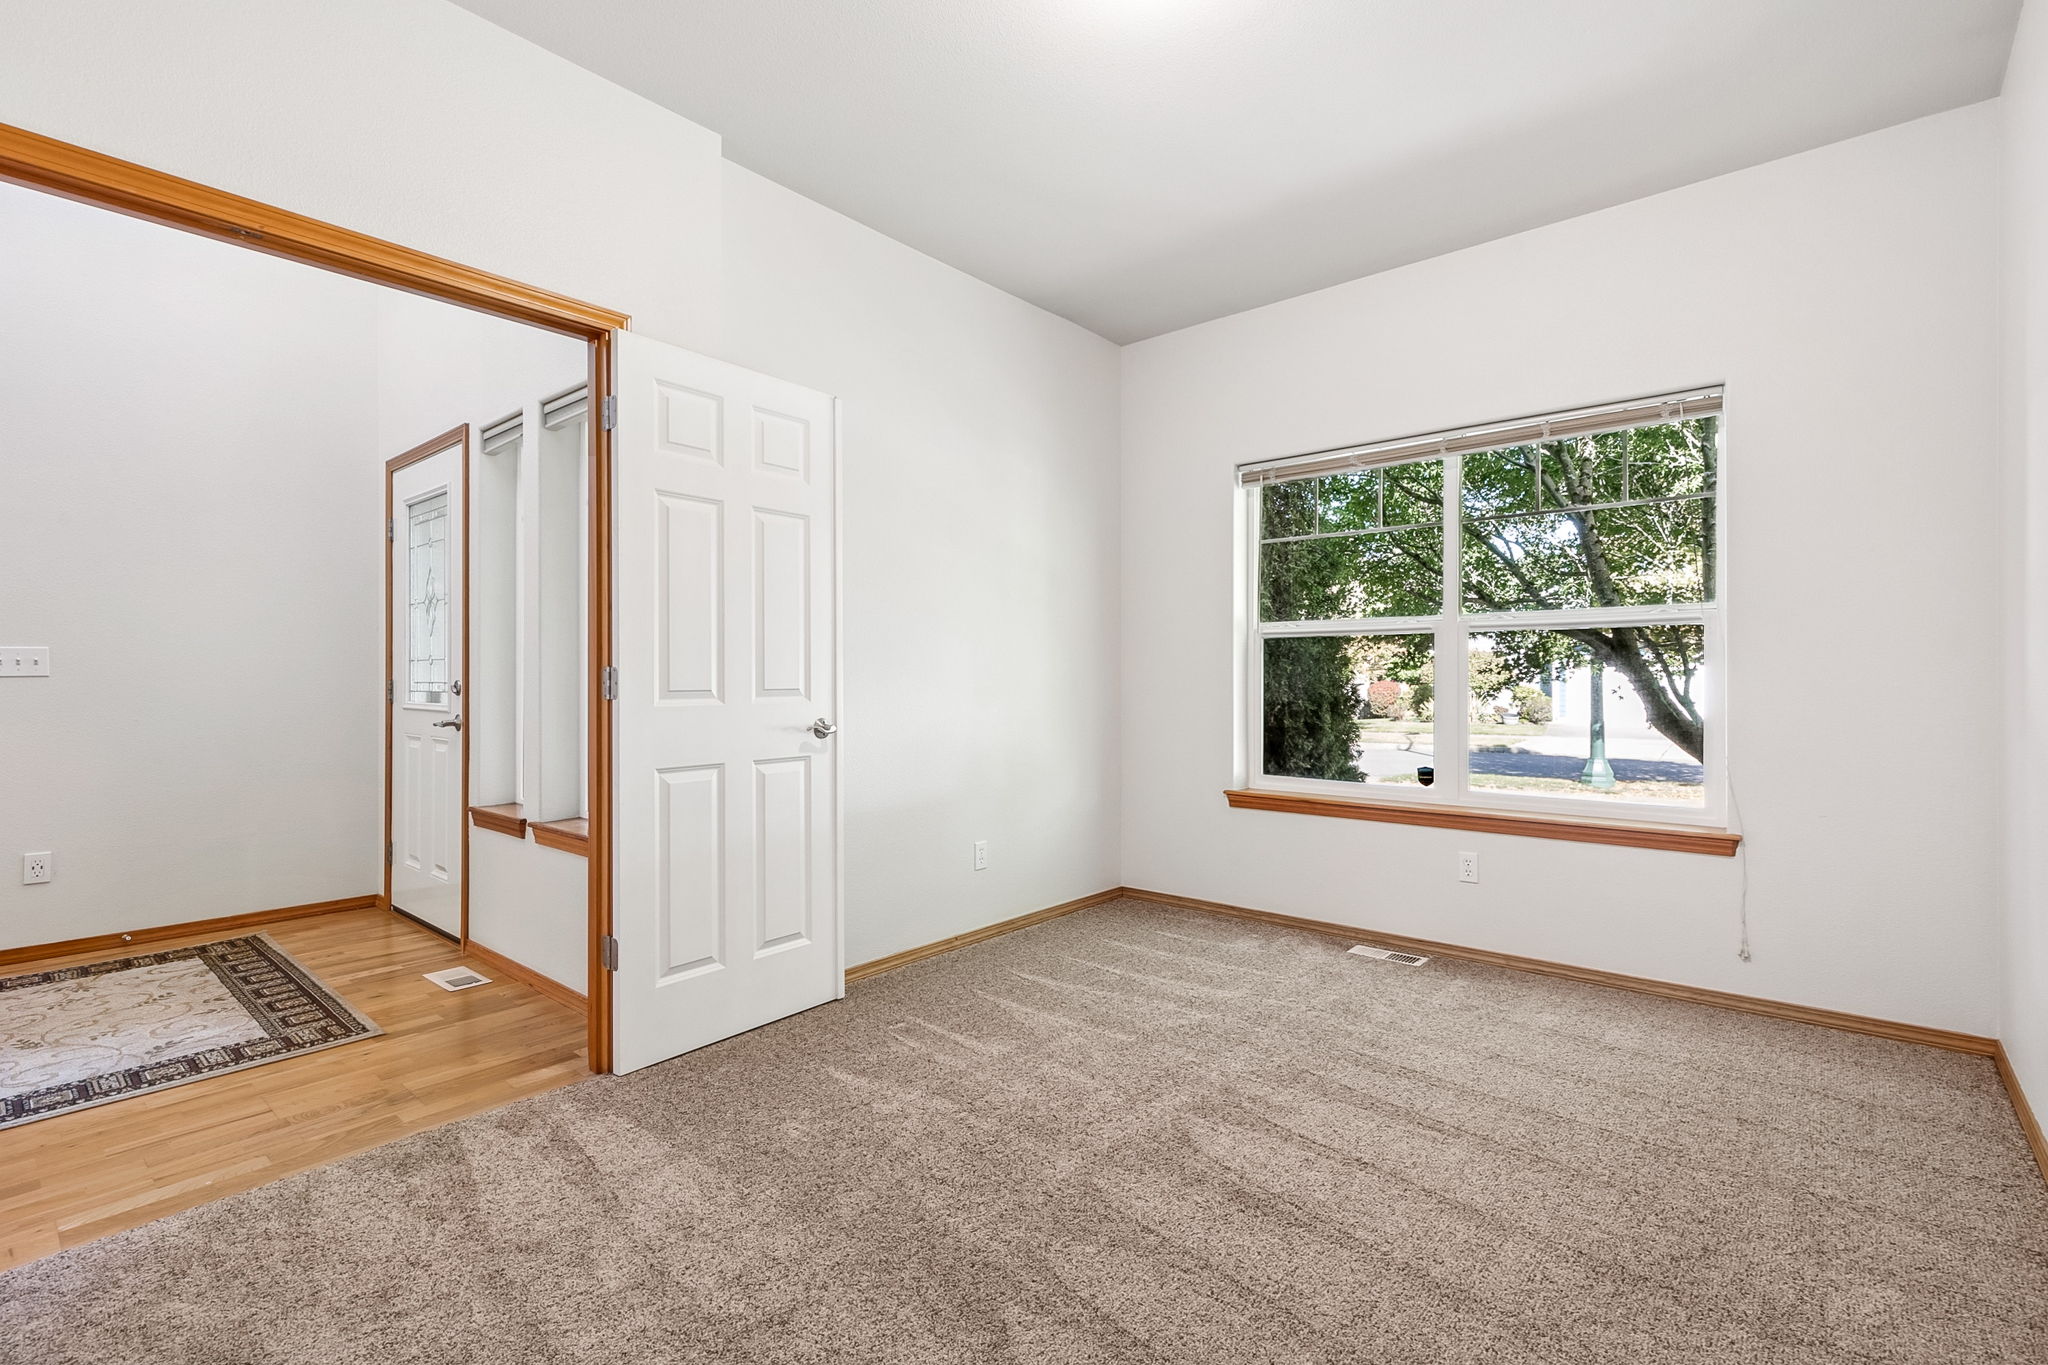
726, 901
424, 836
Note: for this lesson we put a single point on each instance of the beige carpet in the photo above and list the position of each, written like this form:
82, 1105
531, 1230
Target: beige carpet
1139, 1134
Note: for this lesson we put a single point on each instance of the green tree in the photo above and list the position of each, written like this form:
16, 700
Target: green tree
1620, 519
1312, 701
1625, 518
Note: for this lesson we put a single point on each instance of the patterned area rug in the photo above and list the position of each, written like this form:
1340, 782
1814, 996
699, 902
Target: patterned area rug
79, 1036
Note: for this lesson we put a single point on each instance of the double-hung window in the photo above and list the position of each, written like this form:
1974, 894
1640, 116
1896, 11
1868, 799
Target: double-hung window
1519, 617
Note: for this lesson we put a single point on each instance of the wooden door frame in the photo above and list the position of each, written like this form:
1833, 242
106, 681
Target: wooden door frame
457, 440
90, 177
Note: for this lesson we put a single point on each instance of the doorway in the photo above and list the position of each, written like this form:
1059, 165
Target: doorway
44, 164
732, 618
426, 649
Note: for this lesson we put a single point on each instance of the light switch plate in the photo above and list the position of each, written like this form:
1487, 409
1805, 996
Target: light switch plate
24, 661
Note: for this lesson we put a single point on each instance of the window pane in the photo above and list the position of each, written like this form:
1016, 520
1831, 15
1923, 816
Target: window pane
1612, 713
1288, 509
1621, 519
426, 612
1350, 708
1345, 546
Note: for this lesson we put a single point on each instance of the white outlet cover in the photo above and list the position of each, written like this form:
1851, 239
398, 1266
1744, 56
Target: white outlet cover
36, 868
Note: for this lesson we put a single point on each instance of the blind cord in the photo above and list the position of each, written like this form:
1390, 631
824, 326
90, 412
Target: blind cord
1742, 861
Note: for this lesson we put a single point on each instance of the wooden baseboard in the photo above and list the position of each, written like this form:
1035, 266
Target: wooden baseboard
2029, 1124
1670, 990
989, 931
226, 924
524, 975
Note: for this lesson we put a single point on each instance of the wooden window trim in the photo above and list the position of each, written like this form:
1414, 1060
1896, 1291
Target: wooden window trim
508, 819
1718, 843
570, 836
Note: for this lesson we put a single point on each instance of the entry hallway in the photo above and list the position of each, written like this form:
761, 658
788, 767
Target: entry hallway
1151, 1134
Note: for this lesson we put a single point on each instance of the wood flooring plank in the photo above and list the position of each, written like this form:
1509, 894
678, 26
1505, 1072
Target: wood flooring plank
442, 1056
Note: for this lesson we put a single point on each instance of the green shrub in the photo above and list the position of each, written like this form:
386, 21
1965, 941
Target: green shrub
1530, 703
1386, 699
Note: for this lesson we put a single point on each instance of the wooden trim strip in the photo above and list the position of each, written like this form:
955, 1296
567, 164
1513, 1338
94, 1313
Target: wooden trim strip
1672, 838
1670, 990
2029, 1125
524, 975
570, 836
453, 436
602, 749
46, 164
225, 924
500, 819
986, 932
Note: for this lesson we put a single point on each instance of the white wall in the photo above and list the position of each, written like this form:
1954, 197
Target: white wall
1847, 297
185, 487
439, 366
412, 120
980, 432
978, 467
195, 462
2025, 109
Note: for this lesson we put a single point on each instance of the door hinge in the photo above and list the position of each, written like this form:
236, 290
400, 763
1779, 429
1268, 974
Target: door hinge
391, 528
608, 953
388, 855
390, 690
608, 683
609, 411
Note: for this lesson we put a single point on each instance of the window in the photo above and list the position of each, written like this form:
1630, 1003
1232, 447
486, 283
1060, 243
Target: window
1521, 616
426, 602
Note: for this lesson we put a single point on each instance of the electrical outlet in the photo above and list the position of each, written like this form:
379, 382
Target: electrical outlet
24, 661
1468, 867
35, 868
981, 855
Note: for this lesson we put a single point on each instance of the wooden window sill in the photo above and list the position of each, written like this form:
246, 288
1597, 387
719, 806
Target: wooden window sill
1674, 838
571, 836
500, 819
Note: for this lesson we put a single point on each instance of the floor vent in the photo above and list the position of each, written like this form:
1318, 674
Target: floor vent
1388, 955
456, 978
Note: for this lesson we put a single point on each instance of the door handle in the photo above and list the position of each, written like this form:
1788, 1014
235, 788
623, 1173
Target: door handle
823, 729
455, 724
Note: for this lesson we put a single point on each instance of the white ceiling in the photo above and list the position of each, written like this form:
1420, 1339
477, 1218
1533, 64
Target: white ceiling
1140, 165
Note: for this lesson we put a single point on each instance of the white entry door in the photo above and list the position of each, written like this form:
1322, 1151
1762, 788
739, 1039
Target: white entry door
424, 834
726, 833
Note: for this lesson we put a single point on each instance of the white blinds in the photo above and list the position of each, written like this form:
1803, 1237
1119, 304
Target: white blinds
1640, 412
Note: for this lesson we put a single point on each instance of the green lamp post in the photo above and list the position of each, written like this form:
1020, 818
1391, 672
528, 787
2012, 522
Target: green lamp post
1596, 774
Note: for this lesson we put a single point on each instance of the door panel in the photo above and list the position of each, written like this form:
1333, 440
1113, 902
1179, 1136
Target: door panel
727, 805
426, 542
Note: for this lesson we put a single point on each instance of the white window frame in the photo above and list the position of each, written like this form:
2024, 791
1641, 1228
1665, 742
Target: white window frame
1452, 628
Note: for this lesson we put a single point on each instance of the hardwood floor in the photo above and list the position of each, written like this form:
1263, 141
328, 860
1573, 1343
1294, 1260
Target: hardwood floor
442, 1056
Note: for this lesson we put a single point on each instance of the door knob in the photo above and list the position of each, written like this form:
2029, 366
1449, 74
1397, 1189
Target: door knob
455, 724
823, 729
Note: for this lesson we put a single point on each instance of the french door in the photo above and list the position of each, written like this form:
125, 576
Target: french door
726, 818
426, 494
